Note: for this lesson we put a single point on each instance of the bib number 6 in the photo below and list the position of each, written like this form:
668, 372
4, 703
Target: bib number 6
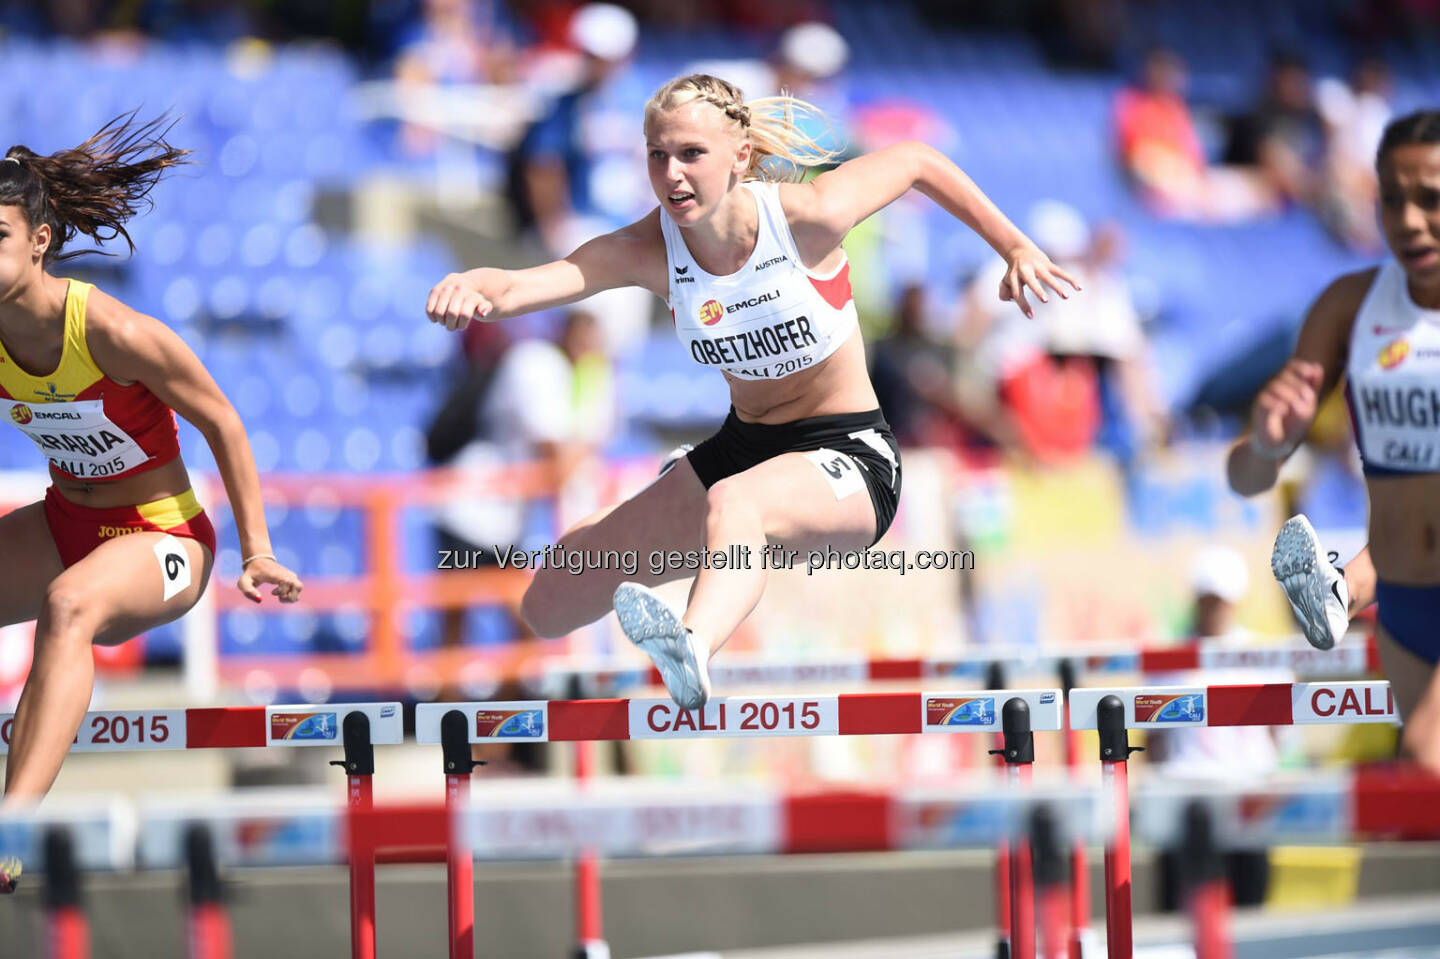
174, 565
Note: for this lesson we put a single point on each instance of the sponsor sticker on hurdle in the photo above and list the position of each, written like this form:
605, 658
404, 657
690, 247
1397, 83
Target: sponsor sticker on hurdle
309, 725
735, 717
1342, 703
523, 720
1166, 709
984, 711
107, 730
523, 724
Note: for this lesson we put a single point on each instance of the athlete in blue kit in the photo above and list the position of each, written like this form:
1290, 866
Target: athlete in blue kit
1380, 329
759, 289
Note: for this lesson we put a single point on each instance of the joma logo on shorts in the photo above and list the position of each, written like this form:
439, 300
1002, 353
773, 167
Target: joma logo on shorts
107, 532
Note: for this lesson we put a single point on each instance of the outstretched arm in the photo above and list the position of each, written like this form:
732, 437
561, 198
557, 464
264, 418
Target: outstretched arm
822, 211
1287, 405
615, 259
131, 346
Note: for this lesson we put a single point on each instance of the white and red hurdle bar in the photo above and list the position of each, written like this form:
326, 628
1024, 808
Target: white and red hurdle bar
356, 726
456, 726
1354, 658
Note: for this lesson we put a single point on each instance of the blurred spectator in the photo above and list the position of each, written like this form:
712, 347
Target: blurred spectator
1102, 328
1283, 136
1219, 581
911, 376
538, 401
454, 42
807, 63
1162, 153
1012, 393
548, 178
1355, 115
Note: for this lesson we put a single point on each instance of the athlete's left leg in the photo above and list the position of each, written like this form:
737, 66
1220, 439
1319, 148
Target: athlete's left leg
121, 589
801, 501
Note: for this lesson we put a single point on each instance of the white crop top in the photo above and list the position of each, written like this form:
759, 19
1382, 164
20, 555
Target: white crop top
1393, 379
770, 318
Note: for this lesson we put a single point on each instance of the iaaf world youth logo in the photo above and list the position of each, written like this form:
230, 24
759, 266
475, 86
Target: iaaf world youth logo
979, 711
509, 723
21, 414
1187, 708
304, 726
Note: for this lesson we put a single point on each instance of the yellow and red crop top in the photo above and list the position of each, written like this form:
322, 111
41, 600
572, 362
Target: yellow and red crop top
88, 426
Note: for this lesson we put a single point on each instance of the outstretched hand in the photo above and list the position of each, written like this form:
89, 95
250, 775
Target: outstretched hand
1027, 267
456, 300
1286, 407
262, 571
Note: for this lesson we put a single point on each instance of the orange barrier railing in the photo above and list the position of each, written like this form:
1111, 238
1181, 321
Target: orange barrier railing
385, 590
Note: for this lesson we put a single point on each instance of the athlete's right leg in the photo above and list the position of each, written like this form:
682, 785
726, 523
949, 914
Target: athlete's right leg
1415, 684
669, 514
30, 562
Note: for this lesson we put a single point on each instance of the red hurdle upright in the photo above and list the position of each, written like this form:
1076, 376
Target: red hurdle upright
1019, 756
1115, 750
67, 934
359, 766
459, 861
208, 924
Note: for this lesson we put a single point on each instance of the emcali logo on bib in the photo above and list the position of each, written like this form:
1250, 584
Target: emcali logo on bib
1394, 354
710, 312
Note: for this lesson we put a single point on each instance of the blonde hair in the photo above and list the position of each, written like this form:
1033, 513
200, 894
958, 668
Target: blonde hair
781, 149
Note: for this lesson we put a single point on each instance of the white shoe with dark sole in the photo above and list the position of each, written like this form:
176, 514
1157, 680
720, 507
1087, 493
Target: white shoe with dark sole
653, 626
1314, 585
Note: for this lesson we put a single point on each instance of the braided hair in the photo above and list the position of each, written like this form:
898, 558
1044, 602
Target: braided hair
771, 123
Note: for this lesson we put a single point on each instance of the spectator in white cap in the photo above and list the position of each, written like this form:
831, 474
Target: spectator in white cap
1219, 581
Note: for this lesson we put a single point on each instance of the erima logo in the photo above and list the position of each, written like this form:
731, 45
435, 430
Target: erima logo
753, 301
680, 276
682, 270
771, 262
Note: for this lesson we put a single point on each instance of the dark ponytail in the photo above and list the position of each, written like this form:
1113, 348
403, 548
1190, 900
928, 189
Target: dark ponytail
1421, 127
95, 187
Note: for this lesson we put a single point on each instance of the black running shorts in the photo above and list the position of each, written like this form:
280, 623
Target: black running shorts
854, 443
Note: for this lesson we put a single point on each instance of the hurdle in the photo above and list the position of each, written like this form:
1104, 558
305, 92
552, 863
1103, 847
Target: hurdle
601, 677
1115, 711
1014, 714
355, 726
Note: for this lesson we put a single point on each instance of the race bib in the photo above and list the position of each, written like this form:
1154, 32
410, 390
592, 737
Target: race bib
78, 438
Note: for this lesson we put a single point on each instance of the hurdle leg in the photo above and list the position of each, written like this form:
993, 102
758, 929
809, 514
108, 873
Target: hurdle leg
208, 925
995, 679
1019, 756
1208, 898
589, 916
359, 765
1049, 883
459, 858
67, 934
1115, 750
1079, 855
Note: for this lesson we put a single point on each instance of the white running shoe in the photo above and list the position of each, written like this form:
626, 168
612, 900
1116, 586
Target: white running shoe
673, 457
653, 626
1315, 587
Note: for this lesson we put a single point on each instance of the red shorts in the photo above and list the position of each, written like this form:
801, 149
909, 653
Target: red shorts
79, 529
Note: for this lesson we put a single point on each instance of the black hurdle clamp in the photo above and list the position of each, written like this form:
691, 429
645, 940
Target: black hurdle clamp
1015, 726
455, 744
1114, 738
359, 751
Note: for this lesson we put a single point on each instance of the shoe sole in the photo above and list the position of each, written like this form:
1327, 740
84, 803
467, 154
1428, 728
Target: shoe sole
1294, 562
654, 629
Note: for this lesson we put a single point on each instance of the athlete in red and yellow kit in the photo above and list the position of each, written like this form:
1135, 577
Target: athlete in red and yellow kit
119, 545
